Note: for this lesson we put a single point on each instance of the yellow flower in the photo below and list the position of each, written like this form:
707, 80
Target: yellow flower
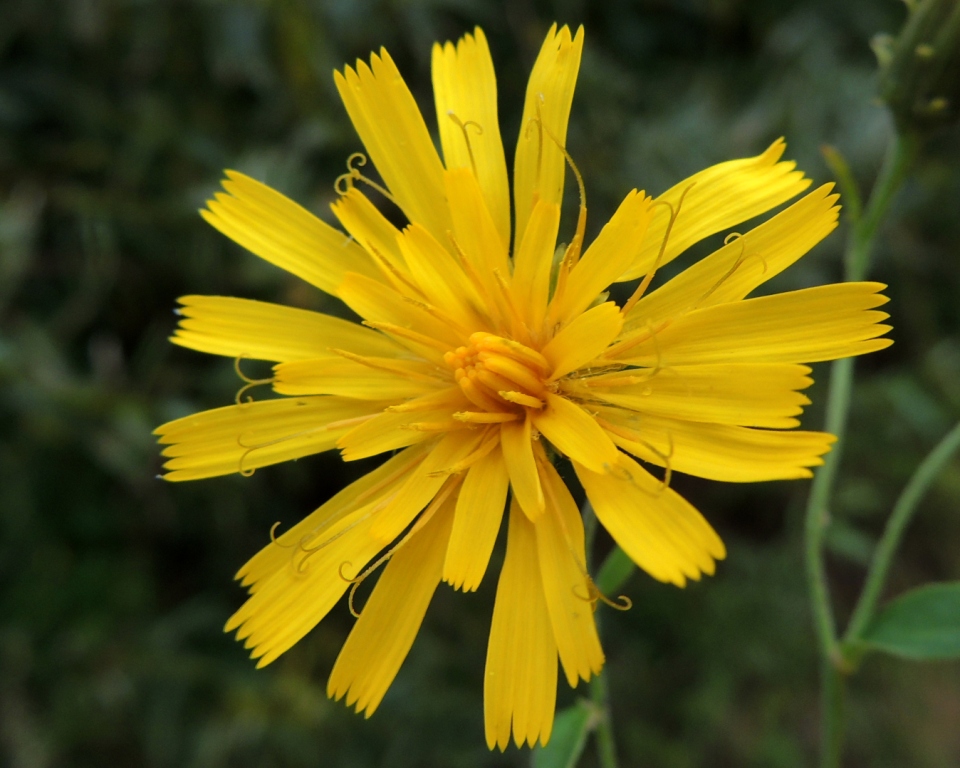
477, 364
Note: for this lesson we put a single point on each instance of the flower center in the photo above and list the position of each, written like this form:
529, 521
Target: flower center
497, 373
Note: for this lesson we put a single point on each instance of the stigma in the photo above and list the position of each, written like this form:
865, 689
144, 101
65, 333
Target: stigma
498, 374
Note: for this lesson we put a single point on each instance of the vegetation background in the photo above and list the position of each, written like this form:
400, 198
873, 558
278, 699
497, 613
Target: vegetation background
116, 120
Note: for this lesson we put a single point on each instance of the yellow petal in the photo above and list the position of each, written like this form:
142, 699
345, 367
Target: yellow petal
315, 527
562, 558
584, 339
380, 303
717, 451
745, 394
242, 438
734, 270
391, 127
515, 440
660, 531
369, 227
520, 681
719, 197
391, 618
576, 434
474, 230
382, 379
220, 325
291, 601
477, 522
540, 165
423, 483
277, 229
394, 429
615, 249
465, 88
440, 278
810, 325
531, 269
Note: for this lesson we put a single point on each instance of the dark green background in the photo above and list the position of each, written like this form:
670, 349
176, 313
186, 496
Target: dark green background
116, 120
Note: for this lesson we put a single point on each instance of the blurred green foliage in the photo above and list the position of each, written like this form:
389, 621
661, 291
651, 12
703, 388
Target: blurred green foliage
116, 120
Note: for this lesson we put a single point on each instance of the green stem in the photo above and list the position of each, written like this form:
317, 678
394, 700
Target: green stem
896, 164
833, 696
606, 748
903, 512
599, 693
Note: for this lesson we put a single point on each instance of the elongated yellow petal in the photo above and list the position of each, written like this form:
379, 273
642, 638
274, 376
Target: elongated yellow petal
531, 269
277, 229
384, 379
391, 127
389, 622
465, 89
394, 429
745, 394
520, 681
423, 483
810, 325
656, 527
539, 166
440, 278
717, 451
562, 558
474, 230
479, 512
316, 527
380, 303
734, 270
584, 339
291, 601
616, 248
242, 438
716, 199
220, 325
576, 434
369, 227
515, 440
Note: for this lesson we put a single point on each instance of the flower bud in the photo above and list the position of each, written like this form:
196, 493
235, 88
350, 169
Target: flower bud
920, 68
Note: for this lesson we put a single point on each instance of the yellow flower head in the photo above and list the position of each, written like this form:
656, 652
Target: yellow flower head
477, 363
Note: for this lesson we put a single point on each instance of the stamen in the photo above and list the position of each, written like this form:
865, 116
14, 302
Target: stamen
421, 521
250, 383
486, 417
491, 441
391, 272
344, 182
524, 354
593, 593
435, 426
538, 121
573, 250
633, 437
381, 364
405, 333
674, 213
521, 399
651, 333
466, 137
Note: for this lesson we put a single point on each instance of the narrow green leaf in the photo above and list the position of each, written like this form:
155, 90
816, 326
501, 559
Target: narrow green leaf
614, 572
570, 730
923, 624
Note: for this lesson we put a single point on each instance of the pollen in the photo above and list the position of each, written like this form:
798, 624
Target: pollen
499, 374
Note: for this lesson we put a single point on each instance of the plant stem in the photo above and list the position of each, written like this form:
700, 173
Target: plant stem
903, 512
606, 748
896, 164
599, 694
